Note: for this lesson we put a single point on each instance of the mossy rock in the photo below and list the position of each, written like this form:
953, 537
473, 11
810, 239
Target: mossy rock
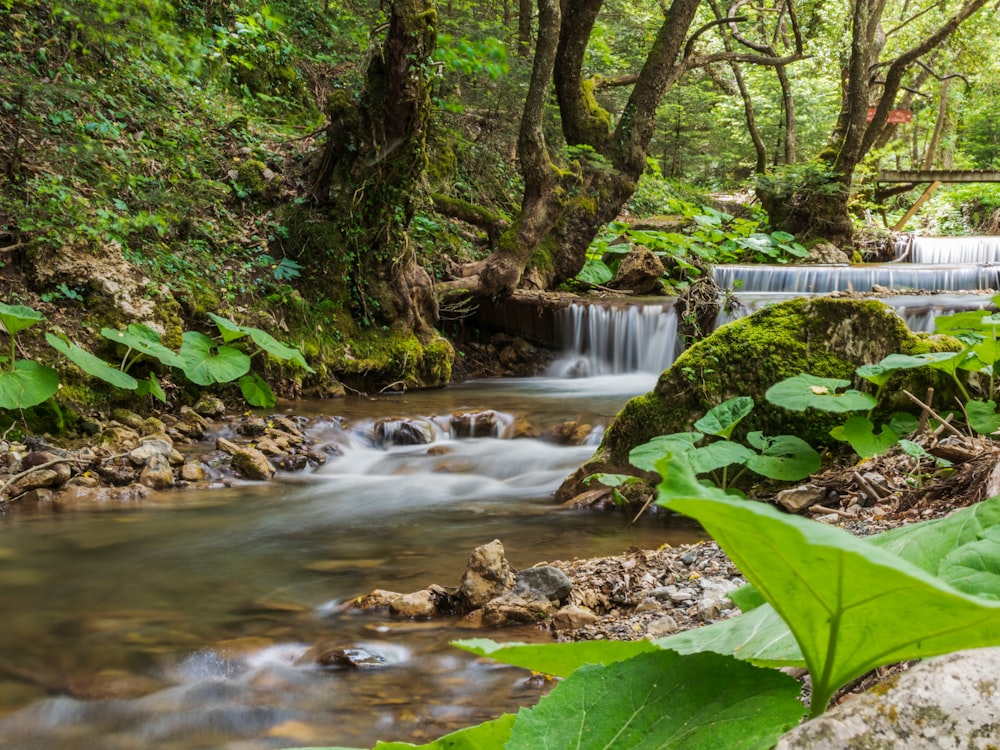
396, 358
826, 337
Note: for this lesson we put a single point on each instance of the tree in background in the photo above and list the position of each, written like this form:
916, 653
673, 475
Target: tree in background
879, 64
570, 193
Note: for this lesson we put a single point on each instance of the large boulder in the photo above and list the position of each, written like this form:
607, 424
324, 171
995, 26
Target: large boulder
824, 336
946, 702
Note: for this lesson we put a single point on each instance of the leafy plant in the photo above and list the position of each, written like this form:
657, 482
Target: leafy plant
24, 382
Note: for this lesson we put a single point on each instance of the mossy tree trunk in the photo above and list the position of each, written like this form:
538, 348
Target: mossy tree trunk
569, 196
368, 178
819, 206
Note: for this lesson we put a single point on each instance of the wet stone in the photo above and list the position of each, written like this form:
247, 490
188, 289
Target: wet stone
544, 580
403, 432
251, 426
296, 462
487, 576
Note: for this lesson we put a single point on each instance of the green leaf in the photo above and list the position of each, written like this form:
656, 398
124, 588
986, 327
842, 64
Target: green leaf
556, 659
152, 388
16, 318
595, 272
92, 365
805, 391
721, 420
647, 455
903, 423
849, 604
662, 700
27, 384
983, 417
785, 457
206, 362
970, 320
611, 480
276, 349
229, 330
489, 735
144, 339
717, 455
257, 392
860, 433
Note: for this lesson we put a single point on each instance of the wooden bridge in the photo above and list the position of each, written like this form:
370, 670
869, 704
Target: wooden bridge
939, 175
936, 178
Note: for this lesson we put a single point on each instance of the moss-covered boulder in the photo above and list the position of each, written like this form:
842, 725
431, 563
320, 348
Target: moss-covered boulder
825, 336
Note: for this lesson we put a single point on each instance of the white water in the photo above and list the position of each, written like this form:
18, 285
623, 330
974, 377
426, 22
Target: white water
820, 279
617, 339
950, 250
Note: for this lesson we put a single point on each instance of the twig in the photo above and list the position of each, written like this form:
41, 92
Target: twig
929, 397
15, 246
934, 414
33, 469
398, 382
868, 486
817, 509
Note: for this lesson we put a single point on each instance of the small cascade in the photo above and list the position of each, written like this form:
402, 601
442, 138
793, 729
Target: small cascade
612, 340
949, 250
820, 279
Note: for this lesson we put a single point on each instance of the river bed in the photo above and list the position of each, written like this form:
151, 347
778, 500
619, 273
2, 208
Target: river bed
183, 621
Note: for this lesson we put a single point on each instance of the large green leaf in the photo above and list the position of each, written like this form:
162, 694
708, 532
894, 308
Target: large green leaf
144, 339
721, 420
151, 387
595, 272
257, 392
229, 330
849, 603
785, 457
716, 455
975, 567
983, 417
27, 384
860, 433
16, 318
206, 362
276, 349
489, 735
662, 700
556, 659
647, 455
806, 391
92, 365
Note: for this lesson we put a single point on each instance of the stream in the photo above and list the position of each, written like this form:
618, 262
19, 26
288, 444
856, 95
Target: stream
180, 622
184, 621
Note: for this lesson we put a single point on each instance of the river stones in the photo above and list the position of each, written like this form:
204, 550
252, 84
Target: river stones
487, 576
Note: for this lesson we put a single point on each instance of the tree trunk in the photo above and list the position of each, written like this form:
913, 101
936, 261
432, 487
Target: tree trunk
368, 178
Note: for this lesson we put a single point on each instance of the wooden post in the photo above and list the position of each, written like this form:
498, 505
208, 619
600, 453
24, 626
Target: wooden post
916, 206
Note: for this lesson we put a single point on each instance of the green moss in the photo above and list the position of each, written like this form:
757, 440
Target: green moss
399, 358
250, 177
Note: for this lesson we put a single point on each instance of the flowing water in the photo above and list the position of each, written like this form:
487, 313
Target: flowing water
180, 622
185, 621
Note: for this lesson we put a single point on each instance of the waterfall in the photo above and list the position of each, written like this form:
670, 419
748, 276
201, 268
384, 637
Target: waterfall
819, 279
951, 250
616, 339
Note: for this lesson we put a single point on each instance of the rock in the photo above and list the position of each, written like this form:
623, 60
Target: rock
661, 626
118, 439
157, 473
715, 597
377, 599
227, 446
296, 462
570, 432
210, 406
544, 580
338, 655
112, 685
418, 604
487, 575
649, 604
822, 336
524, 428
127, 418
640, 272
476, 424
251, 426
403, 432
513, 608
950, 701
288, 425
828, 253
252, 464
269, 447
153, 426
61, 471
572, 617
797, 499
36, 480
679, 594
318, 458
192, 471
155, 447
